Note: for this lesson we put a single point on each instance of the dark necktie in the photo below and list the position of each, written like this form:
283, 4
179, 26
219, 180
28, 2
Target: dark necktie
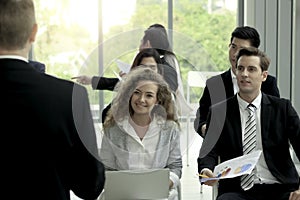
249, 144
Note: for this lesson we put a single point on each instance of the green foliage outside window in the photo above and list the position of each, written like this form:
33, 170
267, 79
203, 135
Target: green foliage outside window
207, 33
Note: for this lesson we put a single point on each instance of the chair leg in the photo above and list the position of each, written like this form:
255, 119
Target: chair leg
214, 192
187, 139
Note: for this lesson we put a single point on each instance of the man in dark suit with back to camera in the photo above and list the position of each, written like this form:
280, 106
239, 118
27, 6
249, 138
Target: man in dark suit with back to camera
223, 86
253, 121
48, 141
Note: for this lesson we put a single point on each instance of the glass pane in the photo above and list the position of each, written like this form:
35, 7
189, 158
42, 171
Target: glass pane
201, 36
68, 34
124, 23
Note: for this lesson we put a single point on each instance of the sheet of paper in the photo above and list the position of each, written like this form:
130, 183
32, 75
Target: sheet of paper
124, 67
235, 167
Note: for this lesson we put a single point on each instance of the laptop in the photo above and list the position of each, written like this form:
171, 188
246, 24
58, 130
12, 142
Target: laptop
137, 184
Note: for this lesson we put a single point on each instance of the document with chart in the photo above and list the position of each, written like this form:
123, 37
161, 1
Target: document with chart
235, 167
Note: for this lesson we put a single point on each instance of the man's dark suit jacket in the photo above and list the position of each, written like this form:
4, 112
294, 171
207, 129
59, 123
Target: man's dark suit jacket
38, 66
104, 83
48, 139
280, 125
168, 72
219, 88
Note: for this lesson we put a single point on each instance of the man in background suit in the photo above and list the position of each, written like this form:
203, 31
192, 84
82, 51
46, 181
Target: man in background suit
48, 141
223, 86
277, 126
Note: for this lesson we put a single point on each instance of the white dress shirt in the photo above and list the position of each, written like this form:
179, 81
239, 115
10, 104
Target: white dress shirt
234, 83
262, 172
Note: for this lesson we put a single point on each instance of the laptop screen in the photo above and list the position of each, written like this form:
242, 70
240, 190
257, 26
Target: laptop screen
137, 184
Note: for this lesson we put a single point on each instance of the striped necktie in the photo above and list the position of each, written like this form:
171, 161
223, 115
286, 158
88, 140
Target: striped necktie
249, 144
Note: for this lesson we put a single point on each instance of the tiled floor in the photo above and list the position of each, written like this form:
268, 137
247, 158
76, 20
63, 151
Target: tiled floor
190, 186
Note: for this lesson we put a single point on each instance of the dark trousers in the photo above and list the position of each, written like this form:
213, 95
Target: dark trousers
262, 192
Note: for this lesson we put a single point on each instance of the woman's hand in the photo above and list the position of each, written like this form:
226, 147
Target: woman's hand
170, 184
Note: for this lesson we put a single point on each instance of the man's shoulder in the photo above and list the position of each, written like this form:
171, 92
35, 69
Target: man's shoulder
224, 75
61, 85
170, 76
38, 66
274, 99
57, 80
269, 86
270, 78
168, 68
225, 103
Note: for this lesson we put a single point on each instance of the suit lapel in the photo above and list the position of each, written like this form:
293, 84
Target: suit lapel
266, 111
235, 120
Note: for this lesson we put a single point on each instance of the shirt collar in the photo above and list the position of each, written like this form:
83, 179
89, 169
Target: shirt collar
126, 126
256, 102
13, 57
233, 76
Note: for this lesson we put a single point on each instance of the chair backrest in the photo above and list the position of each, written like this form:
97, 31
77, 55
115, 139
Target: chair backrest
137, 184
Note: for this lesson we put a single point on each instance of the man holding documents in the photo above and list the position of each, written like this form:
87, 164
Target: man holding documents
253, 121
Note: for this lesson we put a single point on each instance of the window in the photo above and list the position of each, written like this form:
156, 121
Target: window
73, 39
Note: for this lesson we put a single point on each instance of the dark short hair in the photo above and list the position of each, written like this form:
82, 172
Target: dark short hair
158, 26
252, 51
16, 24
246, 33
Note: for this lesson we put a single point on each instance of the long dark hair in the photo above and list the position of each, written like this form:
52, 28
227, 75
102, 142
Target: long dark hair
146, 53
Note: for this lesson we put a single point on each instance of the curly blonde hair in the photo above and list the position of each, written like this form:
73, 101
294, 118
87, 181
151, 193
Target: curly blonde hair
121, 106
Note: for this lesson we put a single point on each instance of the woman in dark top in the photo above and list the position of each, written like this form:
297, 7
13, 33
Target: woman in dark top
149, 58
